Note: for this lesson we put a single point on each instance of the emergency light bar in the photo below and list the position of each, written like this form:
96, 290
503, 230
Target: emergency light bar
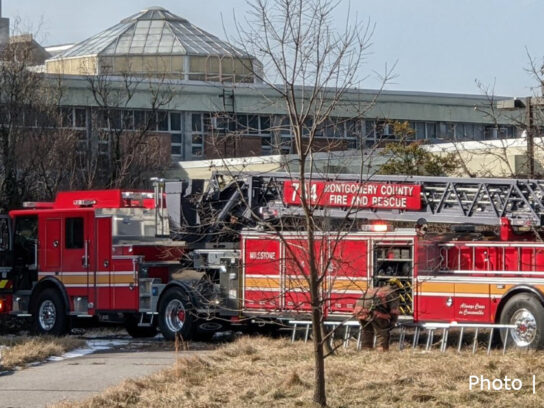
377, 227
132, 195
37, 204
84, 203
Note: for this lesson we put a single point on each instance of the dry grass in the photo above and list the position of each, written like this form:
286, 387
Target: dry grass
24, 350
261, 372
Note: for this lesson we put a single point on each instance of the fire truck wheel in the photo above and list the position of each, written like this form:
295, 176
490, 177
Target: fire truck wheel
131, 326
527, 313
50, 314
176, 314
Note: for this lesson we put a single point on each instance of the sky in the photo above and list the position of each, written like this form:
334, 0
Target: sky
435, 45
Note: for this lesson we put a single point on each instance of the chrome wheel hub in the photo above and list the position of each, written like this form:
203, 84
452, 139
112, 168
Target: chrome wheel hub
525, 331
47, 315
175, 315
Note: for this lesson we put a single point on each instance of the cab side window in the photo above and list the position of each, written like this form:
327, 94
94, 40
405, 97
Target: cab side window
24, 238
4, 234
74, 233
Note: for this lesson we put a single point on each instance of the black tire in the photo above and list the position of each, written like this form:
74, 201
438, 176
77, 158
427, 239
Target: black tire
131, 326
206, 330
50, 313
526, 311
176, 314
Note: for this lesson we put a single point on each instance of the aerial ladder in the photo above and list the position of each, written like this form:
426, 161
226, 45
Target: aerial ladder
247, 198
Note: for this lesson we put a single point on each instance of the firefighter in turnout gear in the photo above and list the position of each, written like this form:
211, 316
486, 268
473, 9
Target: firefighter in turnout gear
377, 311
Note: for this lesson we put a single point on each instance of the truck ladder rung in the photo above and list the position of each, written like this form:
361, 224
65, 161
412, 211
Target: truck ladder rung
429, 328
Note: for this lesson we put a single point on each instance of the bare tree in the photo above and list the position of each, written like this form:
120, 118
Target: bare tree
509, 145
312, 67
124, 143
30, 124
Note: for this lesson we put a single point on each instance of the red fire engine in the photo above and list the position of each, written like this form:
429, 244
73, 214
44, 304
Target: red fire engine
193, 255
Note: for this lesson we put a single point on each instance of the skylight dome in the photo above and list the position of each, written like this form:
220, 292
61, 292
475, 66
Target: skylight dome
156, 42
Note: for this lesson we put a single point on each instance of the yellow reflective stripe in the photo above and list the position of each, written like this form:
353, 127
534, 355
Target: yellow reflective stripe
271, 283
350, 285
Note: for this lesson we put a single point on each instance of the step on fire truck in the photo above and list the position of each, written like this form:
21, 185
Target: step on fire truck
194, 255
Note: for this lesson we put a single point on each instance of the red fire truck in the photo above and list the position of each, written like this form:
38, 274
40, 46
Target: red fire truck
194, 255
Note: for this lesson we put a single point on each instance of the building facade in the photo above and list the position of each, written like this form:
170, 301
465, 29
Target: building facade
204, 98
209, 120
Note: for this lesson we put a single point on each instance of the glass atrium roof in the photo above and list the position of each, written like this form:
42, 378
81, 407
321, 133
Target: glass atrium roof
151, 32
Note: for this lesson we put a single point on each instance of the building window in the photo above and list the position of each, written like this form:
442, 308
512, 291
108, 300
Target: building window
499, 132
479, 132
197, 146
370, 133
286, 137
67, 117
450, 131
128, 120
334, 129
197, 135
353, 133
140, 121
163, 121
420, 131
146, 120
253, 125
262, 123
506, 132
240, 124
115, 117
286, 145
490, 132
176, 145
103, 144
82, 145
430, 129
175, 121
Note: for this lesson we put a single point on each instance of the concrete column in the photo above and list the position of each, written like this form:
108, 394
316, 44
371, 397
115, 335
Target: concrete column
186, 136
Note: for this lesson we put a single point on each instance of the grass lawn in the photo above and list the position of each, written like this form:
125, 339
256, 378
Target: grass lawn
24, 350
263, 372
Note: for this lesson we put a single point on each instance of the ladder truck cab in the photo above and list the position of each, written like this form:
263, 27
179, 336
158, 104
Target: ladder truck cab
195, 255
88, 253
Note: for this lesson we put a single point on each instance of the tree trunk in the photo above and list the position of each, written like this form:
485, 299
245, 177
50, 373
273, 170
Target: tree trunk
320, 396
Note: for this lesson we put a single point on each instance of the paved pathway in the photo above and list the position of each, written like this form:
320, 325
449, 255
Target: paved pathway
78, 378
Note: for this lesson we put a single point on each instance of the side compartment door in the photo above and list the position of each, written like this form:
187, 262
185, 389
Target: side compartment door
262, 273
52, 243
100, 278
76, 258
435, 300
297, 272
435, 289
347, 274
472, 302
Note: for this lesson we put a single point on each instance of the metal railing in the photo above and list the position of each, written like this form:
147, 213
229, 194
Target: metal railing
429, 329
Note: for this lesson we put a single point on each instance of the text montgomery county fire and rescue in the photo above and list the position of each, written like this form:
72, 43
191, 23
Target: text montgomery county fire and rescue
356, 195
